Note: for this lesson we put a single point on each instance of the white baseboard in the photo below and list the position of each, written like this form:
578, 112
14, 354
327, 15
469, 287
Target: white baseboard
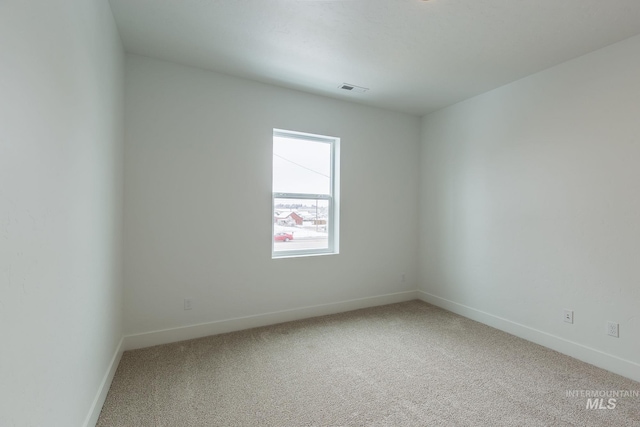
612, 363
98, 401
595, 357
167, 336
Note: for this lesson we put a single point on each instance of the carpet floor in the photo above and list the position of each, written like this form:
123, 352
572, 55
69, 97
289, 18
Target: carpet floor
406, 364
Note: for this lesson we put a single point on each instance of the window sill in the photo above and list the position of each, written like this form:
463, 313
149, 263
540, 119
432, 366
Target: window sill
302, 255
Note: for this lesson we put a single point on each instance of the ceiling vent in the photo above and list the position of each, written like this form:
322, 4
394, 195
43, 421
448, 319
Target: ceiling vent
353, 88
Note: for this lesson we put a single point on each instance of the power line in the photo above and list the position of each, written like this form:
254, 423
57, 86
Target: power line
298, 164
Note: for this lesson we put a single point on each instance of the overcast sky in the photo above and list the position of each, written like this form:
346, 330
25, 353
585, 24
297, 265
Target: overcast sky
301, 166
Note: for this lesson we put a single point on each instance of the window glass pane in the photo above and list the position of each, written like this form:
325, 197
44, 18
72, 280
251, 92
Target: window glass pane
300, 224
301, 166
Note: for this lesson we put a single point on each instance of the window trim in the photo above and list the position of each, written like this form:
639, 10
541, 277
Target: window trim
333, 198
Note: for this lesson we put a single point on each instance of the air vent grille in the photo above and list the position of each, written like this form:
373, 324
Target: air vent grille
353, 88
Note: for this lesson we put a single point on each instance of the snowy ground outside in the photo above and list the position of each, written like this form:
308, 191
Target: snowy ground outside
302, 232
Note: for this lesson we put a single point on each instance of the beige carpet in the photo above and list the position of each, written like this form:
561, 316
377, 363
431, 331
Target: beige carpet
408, 364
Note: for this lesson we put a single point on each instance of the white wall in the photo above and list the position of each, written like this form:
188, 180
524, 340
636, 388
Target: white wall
198, 198
530, 203
61, 91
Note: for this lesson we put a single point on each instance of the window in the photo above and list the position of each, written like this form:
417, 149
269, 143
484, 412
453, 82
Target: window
305, 194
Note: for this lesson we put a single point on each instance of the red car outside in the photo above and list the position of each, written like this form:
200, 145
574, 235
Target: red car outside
283, 237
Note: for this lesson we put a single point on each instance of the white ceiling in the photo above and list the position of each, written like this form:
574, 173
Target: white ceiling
415, 56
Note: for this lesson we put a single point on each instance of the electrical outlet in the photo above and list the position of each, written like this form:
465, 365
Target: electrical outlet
613, 329
403, 278
188, 303
568, 316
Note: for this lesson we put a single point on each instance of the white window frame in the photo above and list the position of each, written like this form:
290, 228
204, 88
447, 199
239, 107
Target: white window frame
333, 198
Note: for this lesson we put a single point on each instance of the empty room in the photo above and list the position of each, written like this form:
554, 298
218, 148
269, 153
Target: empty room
319, 213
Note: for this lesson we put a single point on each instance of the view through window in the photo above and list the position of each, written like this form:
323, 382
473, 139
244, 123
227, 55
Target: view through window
304, 194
